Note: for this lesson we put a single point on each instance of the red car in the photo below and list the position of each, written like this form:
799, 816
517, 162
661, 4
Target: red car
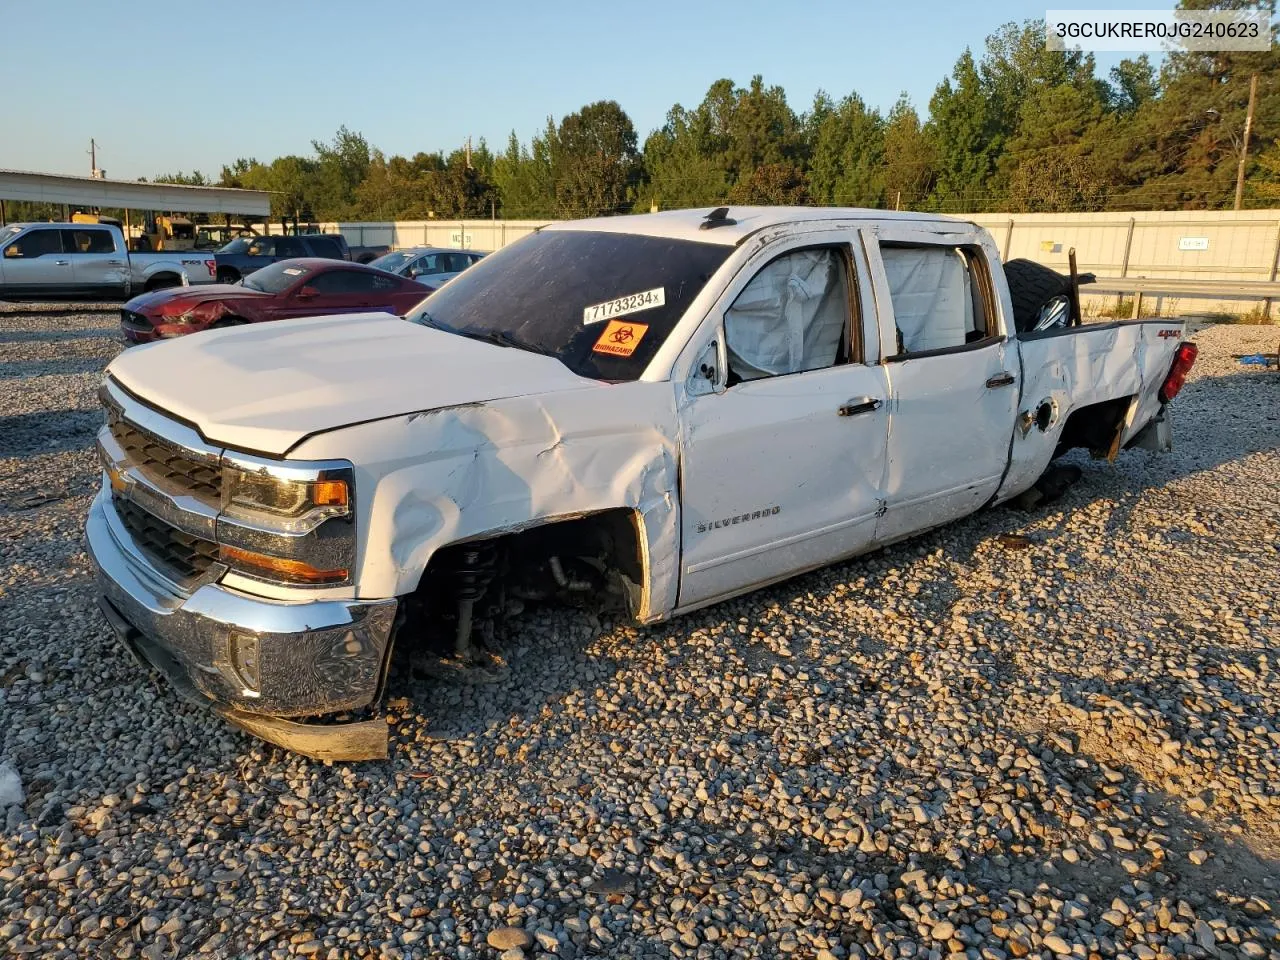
306, 287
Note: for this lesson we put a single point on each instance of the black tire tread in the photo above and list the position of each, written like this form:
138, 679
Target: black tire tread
1031, 286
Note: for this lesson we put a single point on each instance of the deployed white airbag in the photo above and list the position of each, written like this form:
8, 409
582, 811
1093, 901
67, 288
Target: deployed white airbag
932, 300
789, 318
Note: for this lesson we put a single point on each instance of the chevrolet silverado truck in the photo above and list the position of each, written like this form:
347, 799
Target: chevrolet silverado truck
80, 261
647, 414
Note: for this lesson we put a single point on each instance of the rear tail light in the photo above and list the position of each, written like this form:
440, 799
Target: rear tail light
212, 267
1182, 361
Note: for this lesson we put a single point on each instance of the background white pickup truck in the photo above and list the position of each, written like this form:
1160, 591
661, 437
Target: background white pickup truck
652, 412
81, 261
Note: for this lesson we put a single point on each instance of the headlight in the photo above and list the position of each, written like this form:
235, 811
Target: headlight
288, 522
277, 503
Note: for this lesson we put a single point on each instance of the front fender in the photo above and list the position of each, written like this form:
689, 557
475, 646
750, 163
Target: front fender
430, 479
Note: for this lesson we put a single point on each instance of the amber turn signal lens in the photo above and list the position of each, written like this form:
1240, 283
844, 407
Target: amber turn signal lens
329, 493
290, 571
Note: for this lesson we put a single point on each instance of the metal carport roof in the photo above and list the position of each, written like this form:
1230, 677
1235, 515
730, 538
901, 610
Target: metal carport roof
96, 192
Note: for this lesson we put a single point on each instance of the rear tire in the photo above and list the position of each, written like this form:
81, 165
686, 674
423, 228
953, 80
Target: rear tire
228, 322
1031, 286
228, 276
162, 283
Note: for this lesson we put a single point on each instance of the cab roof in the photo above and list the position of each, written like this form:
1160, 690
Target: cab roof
687, 224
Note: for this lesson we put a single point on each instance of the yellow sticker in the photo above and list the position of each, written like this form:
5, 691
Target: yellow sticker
620, 338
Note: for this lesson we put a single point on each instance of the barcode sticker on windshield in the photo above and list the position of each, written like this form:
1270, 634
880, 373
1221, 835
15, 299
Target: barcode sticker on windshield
623, 305
293, 271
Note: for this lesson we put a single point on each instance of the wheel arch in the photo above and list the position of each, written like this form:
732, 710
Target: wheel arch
622, 528
159, 277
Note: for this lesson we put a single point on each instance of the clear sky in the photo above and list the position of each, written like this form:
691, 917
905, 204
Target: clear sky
176, 86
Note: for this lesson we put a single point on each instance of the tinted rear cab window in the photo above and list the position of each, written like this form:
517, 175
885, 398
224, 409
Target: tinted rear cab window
538, 291
325, 247
87, 241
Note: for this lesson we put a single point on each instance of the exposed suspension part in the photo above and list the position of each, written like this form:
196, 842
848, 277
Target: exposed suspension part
471, 573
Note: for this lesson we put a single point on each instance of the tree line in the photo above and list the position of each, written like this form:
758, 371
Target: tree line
1017, 128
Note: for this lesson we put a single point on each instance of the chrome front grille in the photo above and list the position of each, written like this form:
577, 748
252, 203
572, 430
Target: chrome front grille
166, 464
181, 553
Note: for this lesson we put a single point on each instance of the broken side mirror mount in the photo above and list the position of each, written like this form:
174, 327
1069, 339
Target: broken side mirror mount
704, 375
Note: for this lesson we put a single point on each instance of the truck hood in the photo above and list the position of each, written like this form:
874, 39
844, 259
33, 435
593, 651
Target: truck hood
265, 387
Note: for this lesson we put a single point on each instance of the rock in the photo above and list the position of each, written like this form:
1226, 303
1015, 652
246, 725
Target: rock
942, 932
63, 871
504, 938
1198, 857
11, 794
1057, 945
547, 940
613, 882
1204, 935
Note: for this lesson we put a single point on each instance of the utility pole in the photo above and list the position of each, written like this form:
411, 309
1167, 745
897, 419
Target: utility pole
469, 144
1244, 146
93, 157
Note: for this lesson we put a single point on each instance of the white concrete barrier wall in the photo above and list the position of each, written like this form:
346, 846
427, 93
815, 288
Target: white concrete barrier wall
1167, 244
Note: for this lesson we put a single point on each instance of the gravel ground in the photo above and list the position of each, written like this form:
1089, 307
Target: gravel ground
1042, 734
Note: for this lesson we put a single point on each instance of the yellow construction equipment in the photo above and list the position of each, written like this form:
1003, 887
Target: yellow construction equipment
170, 233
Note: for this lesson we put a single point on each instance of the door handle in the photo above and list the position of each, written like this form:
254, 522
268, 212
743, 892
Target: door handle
62, 263
1002, 379
859, 405
116, 263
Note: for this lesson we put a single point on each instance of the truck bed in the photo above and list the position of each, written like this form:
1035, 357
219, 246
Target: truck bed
1108, 371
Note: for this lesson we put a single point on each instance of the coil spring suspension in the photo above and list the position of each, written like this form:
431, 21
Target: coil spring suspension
472, 572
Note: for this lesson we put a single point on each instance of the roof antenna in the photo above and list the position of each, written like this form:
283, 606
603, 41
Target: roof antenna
719, 217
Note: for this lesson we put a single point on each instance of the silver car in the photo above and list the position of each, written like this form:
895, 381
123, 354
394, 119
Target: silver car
432, 266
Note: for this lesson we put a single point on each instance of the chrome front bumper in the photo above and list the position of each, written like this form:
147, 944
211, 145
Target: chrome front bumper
255, 661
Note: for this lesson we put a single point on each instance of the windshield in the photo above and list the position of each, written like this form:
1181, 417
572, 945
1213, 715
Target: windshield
392, 262
238, 245
7, 232
601, 303
277, 277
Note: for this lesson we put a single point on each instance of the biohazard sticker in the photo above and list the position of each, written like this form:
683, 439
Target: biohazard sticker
620, 338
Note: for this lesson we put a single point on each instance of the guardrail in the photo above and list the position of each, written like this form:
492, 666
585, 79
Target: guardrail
1261, 290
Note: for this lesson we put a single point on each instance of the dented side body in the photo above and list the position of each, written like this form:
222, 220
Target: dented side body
728, 486
478, 470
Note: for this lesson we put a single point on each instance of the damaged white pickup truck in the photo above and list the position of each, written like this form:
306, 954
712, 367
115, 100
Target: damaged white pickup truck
653, 412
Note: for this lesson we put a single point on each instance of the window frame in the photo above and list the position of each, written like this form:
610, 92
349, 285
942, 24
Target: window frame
420, 264
68, 236
974, 256
18, 238
344, 275
324, 247
852, 347
300, 249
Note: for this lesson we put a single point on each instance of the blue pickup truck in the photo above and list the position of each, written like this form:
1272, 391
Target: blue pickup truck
243, 255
